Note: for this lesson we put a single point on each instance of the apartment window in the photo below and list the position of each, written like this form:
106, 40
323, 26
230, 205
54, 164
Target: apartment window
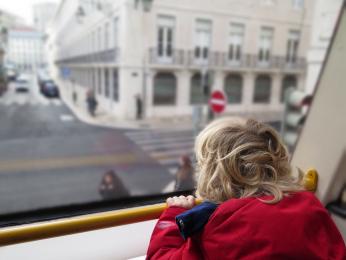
265, 44
164, 89
165, 37
236, 41
115, 85
202, 40
292, 46
298, 4
106, 43
234, 88
262, 89
288, 82
116, 32
106, 83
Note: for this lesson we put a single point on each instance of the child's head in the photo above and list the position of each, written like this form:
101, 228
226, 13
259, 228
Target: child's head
239, 158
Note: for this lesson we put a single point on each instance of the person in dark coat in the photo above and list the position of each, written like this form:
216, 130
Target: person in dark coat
184, 176
91, 102
139, 107
111, 186
254, 208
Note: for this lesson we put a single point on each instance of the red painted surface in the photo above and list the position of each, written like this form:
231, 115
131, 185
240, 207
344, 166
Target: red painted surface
217, 101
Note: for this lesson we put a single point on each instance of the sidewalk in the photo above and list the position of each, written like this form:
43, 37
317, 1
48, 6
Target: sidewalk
103, 118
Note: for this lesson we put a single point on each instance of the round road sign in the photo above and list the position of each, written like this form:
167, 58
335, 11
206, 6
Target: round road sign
217, 101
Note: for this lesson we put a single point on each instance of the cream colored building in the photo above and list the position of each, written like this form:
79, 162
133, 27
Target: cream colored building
174, 53
43, 14
324, 19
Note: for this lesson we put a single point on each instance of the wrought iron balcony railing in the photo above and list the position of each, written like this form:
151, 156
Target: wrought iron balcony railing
173, 57
212, 59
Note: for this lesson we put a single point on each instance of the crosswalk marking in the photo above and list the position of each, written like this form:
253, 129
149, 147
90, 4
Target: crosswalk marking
145, 135
166, 146
176, 153
171, 139
30, 102
169, 145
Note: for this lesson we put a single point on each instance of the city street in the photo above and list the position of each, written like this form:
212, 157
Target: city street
49, 158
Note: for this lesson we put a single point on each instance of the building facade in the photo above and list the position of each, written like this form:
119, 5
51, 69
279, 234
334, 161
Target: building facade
25, 49
43, 14
324, 20
173, 54
7, 21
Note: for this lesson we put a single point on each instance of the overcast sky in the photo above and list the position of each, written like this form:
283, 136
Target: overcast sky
22, 8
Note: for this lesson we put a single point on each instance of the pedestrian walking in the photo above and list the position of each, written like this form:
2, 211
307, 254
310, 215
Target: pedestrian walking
91, 102
184, 176
139, 106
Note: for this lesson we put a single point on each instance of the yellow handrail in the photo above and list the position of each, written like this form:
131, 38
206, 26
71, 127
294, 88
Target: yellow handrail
72, 225
61, 227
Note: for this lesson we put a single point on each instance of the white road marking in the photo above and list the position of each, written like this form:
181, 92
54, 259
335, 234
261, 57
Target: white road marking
168, 139
169, 161
56, 102
173, 170
168, 145
67, 118
173, 153
169, 187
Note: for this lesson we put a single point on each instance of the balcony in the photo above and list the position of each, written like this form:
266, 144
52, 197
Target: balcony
251, 61
208, 59
176, 58
106, 56
220, 60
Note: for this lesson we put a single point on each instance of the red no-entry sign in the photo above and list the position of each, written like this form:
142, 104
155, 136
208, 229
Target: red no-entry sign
217, 101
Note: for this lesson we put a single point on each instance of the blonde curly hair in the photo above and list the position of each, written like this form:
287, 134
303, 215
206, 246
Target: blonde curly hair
238, 158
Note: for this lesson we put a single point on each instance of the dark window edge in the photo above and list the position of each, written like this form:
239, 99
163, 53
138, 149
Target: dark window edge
29, 217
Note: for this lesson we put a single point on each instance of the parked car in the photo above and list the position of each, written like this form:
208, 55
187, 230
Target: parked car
43, 78
50, 89
11, 74
22, 83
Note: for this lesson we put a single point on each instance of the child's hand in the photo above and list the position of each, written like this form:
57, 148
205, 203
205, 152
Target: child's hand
181, 201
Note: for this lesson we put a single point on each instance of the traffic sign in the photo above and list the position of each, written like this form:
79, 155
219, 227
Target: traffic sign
217, 101
66, 72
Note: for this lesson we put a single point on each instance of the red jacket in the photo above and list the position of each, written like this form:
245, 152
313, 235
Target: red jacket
298, 227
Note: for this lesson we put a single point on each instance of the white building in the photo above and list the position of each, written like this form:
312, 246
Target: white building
251, 50
324, 20
43, 14
7, 21
25, 49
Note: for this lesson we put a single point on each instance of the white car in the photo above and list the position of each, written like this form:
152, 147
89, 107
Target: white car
22, 83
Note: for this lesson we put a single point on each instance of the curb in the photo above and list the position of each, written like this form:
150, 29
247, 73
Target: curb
140, 125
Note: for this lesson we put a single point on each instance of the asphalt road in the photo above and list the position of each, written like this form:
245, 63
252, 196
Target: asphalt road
48, 158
